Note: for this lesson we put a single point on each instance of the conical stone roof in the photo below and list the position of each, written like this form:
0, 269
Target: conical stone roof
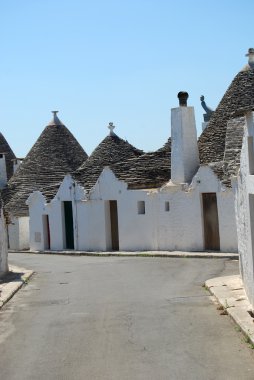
238, 98
9, 155
151, 170
111, 150
55, 154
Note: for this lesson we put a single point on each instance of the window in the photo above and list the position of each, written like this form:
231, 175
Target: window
141, 207
167, 208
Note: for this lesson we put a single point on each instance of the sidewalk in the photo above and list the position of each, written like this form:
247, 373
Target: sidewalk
208, 255
12, 282
231, 296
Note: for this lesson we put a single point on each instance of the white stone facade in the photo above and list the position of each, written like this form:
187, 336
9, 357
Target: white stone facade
18, 233
3, 246
166, 218
172, 220
245, 207
184, 157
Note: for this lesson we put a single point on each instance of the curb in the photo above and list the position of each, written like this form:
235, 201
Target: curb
8, 287
229, 293
174, 254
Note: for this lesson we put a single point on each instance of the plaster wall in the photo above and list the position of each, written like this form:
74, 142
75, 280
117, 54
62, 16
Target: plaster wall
227, 221
206, 182
136, 231
37, 208
177, 226
92, 226
244, 213
184, 148
18, 232
3, 245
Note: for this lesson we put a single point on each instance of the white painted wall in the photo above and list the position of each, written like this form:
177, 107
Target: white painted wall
3, 246
244, 210
18, 232
37, 208
180, 228
184, 147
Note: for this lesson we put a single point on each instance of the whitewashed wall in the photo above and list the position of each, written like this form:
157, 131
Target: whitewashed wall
37, 206
244, 213
180, 228
3, 245
18, 232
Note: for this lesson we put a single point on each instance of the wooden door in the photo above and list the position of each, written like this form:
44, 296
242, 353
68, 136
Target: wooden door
68, 218
46, 231
211, 222
114, 225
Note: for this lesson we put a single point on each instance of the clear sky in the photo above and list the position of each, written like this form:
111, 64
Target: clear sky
116, 60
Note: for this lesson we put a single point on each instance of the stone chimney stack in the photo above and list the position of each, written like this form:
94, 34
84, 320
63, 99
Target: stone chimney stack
16, 163
3, 171
184, 147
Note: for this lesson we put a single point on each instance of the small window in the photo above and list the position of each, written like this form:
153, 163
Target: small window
167, 208
141, 207
1, 155
37, 237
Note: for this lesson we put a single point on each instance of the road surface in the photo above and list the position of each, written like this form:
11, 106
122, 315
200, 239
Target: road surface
120, 318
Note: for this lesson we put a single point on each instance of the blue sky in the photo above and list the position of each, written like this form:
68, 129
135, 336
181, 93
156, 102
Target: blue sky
121, 61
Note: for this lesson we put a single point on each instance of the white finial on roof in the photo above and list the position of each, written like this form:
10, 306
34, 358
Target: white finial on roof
55, 120
111, 127
250, 54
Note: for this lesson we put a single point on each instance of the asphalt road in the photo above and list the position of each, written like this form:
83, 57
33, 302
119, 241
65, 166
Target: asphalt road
111, 318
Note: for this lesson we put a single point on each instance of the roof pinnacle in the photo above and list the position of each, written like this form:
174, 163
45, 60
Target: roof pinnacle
250, 54
207, 109
111, 127
55, 120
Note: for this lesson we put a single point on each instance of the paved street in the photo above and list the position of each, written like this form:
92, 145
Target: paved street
120, 318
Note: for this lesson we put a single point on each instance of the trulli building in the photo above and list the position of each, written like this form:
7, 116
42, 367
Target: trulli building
55, 154
177, 198
8, 164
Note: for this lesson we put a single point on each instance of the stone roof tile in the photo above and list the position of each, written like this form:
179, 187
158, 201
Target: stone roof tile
151, 170
9, 155
221, 141
55, 154
110, 151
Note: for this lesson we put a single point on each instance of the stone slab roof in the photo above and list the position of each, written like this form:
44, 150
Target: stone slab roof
220, 143
151, 170
141, 171
110, 151
239, 96
55, 154
9, 155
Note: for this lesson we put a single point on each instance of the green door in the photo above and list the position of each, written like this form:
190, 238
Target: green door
68, 218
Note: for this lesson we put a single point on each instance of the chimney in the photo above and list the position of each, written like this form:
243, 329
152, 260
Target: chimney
16, 163
184, 147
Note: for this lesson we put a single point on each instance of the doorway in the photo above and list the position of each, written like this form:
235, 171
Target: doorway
114, 225
46, 231
68, 222
211, 222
